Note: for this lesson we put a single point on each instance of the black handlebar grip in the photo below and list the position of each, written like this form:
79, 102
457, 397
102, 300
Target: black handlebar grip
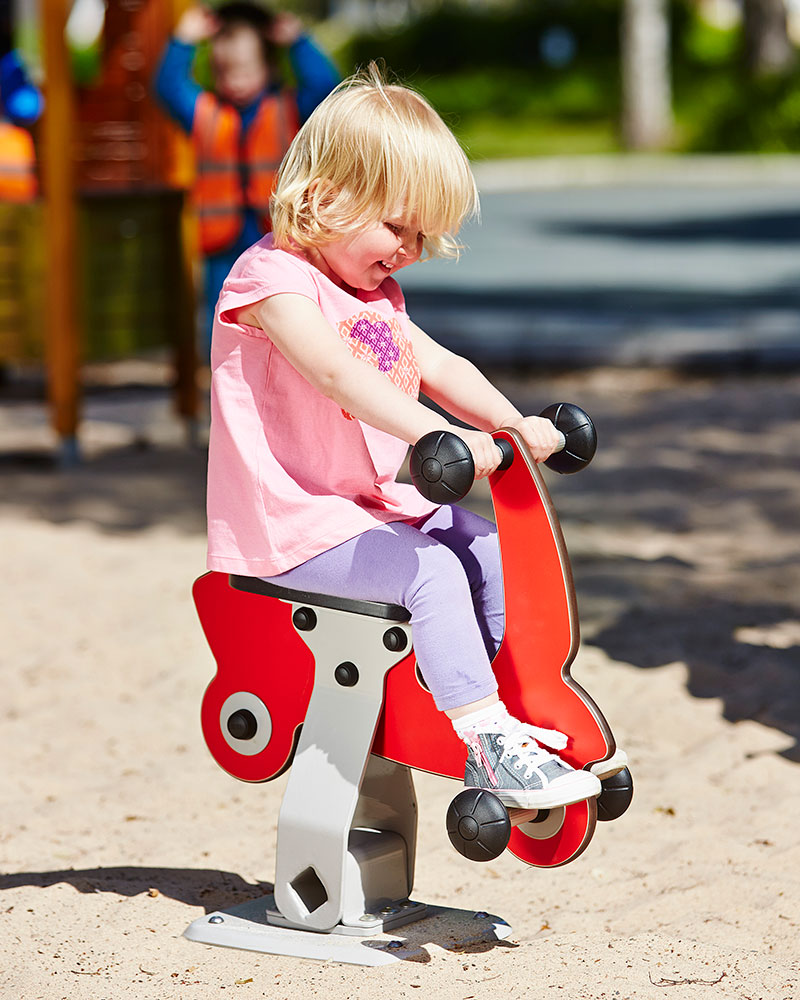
441, 467
579, 434
508, 452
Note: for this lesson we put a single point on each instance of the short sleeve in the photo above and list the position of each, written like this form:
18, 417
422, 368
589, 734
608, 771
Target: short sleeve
260, 273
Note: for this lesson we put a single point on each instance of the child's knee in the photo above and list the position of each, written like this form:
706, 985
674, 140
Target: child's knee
441, 575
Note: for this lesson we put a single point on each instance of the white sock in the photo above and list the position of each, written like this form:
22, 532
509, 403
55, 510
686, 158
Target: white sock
496, 718
489, 719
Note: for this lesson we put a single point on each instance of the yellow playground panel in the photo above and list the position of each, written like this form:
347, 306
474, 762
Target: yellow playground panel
21, 281
127, 273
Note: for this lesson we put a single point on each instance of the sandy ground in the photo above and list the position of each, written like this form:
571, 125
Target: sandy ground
118, 829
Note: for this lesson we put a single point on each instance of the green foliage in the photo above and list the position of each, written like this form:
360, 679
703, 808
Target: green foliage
723, 109
482, 67
760, 115
576, 96
508, 114
86, 64
705, 45
453, 37
487, 137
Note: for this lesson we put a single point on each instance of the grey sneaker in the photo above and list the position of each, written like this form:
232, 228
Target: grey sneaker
522, 774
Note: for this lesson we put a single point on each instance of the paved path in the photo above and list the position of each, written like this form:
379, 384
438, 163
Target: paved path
624, 262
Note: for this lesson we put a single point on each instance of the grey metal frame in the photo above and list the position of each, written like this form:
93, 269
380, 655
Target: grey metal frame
346, 830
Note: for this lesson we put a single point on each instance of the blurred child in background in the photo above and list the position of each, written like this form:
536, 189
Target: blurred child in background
242, 127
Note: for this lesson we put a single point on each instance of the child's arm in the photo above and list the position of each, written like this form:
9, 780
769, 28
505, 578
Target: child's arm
174, 85
315, 73
459, 387
306, 339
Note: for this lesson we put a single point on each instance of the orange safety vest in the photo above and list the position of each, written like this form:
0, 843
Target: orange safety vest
236, 171
17, 164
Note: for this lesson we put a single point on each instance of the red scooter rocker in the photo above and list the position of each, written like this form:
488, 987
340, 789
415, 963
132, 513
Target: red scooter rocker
331, 688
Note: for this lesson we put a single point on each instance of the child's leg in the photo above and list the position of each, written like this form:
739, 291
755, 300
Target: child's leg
474, 540
400, 564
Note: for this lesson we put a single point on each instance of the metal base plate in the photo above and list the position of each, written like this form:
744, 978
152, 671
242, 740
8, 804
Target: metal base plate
245, 926
370, 924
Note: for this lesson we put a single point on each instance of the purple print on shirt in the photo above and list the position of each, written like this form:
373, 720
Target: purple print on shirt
378, 337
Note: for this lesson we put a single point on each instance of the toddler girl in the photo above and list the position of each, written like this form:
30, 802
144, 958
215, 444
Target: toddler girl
316, 373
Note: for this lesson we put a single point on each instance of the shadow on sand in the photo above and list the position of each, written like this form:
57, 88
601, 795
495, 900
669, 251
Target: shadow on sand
123, 489
219, 890
209, 888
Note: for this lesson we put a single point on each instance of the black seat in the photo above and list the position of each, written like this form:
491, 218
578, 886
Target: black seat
375, 609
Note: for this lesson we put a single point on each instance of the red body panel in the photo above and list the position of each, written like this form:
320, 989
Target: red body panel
258, 650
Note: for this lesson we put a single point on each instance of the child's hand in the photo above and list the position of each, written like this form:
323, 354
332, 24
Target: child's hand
539, 434
196, 25
485, 453
286, 29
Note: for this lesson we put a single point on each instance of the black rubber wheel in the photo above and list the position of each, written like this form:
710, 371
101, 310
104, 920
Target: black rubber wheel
478, 825
616, 796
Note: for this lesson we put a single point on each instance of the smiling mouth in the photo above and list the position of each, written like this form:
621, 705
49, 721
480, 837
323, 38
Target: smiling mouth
386, 267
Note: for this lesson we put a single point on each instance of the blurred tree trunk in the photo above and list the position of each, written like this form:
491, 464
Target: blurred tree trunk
767, 48
646, 91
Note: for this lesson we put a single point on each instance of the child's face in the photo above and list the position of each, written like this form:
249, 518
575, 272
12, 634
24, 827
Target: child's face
240, 70
362, 260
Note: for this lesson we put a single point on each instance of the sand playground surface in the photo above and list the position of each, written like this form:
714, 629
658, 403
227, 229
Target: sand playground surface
118, 828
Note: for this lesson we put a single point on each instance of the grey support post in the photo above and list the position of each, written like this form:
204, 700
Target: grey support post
345, 859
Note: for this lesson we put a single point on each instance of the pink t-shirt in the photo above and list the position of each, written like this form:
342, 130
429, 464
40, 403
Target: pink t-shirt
290, 474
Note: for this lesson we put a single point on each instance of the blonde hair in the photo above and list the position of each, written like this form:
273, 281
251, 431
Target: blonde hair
368, 149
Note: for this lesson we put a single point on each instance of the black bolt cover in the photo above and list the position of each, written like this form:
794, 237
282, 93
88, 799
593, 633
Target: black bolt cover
468, 828
304, 619
242, 725
395, 639
346, 674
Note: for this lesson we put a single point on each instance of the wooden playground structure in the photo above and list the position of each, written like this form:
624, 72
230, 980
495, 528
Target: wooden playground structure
100, 265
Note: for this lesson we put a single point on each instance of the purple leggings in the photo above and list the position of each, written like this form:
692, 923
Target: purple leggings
446, 571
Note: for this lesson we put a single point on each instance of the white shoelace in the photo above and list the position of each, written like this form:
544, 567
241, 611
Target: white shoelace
548, 737
520, 745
